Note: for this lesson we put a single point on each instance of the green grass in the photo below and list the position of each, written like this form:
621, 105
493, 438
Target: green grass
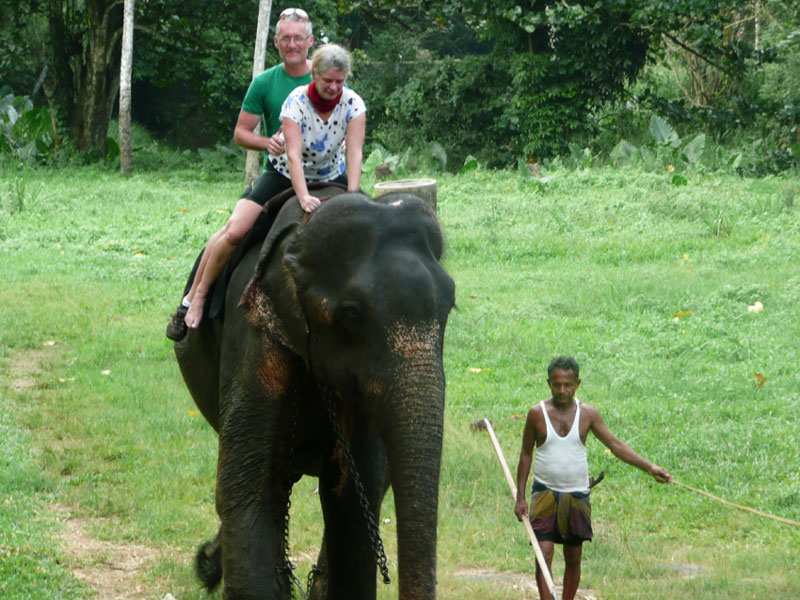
648, 284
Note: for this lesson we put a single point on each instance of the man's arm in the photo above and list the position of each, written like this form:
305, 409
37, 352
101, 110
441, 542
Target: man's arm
245, 136
620, 449
524, 466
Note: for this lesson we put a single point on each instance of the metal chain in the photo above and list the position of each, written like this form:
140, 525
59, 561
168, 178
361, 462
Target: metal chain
312, 577
287, 569
372, 526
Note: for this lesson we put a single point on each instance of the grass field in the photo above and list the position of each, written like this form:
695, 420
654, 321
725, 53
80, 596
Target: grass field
646, 283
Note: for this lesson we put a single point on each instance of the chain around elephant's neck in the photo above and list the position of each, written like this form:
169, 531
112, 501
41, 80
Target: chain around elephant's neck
287, 568
329, 397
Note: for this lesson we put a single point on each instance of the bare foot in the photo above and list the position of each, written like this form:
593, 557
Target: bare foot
195, 313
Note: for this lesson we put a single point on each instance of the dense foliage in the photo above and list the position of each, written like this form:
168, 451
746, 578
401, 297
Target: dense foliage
745, 90
567, 66
191, 73
534, 87
507, 82
192, 63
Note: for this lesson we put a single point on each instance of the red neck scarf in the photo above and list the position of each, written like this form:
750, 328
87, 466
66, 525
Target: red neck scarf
322, 105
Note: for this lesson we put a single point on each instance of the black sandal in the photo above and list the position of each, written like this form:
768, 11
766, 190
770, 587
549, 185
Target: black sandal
176, 329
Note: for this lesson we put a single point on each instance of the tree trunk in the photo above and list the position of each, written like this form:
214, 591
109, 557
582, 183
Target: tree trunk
253, 163
86, 67
757, 28
126, 66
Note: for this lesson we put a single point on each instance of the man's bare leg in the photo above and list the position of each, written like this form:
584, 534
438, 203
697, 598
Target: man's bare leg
572, 571
541, 582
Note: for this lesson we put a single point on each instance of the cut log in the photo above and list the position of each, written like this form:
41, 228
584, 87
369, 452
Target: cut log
423, 188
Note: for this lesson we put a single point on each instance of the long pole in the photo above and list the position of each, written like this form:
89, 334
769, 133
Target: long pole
253, 160
528, 527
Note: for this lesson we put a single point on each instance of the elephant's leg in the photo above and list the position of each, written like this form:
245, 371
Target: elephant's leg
351, 561
251, 502
319, 587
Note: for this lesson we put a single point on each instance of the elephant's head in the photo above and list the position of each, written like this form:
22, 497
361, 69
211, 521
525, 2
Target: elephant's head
373, 300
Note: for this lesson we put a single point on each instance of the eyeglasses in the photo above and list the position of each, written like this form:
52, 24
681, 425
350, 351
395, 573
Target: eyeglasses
297, 39
299, 12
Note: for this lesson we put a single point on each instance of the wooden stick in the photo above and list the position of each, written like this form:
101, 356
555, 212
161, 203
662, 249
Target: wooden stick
739, 506
527, 522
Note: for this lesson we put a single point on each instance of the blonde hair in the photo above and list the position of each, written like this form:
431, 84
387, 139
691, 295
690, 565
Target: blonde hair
331, 56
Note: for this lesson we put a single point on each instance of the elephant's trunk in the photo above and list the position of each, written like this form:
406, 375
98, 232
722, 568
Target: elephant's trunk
414, 445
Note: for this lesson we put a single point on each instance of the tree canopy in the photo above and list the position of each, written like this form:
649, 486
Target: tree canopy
506, 80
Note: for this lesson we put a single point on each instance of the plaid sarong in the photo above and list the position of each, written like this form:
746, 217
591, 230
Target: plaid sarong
561, 517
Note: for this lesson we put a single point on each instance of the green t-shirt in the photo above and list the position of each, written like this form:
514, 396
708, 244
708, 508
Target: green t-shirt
267, 92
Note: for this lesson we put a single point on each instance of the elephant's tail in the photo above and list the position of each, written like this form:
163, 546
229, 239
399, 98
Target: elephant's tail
208, 565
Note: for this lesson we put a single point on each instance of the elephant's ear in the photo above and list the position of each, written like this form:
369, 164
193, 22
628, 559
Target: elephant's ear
270, 298
290, 217
288, 220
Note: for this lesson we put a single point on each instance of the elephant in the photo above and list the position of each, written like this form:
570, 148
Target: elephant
336, 322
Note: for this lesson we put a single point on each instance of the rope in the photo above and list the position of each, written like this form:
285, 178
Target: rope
739, 506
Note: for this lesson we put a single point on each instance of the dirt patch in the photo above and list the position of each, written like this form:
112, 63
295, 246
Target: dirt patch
114, 570
516, 581
25, 366
689, 570
110, 568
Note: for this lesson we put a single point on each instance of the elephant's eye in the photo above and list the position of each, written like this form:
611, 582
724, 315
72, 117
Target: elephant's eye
350, 316
349, 311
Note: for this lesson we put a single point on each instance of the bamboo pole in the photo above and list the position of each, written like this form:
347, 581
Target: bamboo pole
527, 522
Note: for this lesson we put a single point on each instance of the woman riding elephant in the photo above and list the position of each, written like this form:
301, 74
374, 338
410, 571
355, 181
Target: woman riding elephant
316, 119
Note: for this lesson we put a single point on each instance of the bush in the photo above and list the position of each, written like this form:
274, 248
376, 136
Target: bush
476, 106
25, 132
453, 102
524, 100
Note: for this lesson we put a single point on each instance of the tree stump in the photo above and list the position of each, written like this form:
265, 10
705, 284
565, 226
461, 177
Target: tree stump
423, 188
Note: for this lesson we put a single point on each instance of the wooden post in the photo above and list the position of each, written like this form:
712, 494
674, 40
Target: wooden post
254, 157
423, 188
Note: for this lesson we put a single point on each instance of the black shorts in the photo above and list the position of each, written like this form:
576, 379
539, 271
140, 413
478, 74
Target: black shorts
270, 183
265, 186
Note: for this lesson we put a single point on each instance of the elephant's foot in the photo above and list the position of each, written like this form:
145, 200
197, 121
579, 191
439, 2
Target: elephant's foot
319, 587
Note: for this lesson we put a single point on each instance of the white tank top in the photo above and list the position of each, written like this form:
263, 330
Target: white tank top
560, 462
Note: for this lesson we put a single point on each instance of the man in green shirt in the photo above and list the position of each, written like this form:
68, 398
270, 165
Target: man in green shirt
264, 99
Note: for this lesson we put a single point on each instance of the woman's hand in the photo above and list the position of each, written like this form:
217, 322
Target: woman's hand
309, 202
275, 144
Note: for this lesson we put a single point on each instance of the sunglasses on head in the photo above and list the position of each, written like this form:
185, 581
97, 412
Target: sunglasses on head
299, 12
